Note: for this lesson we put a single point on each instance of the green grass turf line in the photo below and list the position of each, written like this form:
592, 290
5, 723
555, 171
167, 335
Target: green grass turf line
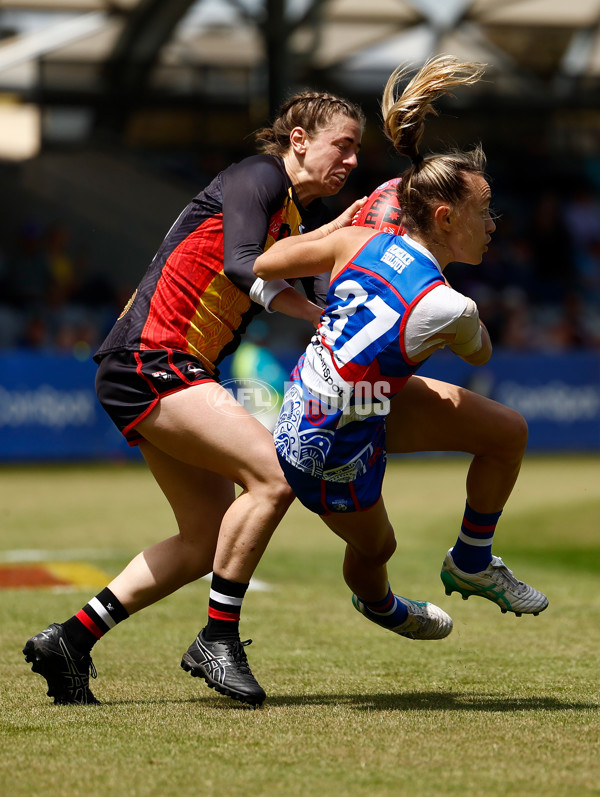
507, 705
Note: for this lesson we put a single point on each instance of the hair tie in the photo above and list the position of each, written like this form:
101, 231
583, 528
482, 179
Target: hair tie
417, 159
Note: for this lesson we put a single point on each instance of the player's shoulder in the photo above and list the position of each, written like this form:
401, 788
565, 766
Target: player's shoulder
351, 246
259, 181
442, 301
267, 170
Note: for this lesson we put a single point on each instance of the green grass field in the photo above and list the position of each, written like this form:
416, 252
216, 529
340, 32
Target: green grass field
504, 706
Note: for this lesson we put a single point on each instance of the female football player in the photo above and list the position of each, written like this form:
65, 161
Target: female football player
388, 309
158, 380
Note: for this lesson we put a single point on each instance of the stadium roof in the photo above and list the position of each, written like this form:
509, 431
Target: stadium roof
115, 55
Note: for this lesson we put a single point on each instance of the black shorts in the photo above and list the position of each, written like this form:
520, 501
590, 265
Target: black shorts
130, 384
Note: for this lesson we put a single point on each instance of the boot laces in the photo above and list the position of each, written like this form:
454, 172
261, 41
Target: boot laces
239, 654
506, 576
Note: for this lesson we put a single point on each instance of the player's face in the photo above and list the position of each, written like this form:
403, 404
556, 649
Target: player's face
331, 154
474, 227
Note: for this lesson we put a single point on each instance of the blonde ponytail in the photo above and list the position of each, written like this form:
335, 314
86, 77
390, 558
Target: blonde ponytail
430, 178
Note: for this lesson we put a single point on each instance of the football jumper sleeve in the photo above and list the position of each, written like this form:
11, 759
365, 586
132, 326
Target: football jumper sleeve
199, 293
440, 313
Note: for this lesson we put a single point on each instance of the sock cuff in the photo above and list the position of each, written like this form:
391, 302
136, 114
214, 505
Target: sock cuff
99, 615
113, 605
476, 540
225, 587
382, 605
481, 518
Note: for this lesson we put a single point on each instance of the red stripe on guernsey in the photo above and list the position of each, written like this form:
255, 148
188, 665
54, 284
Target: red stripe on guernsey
352, 372
476, 529
89, 624
215, 614
406, 315
351, 264
381, 278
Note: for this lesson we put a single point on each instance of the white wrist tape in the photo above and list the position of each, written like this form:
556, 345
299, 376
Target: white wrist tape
263, 292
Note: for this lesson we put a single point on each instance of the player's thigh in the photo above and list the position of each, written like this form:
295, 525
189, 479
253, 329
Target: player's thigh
369, 532
205, 427
198, 497
430, 415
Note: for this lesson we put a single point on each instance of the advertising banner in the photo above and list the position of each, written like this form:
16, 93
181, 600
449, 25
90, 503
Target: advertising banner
558, 395
49, 410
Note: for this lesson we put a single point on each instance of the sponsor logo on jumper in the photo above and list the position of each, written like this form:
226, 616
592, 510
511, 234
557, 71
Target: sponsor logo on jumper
397, 258
326, 372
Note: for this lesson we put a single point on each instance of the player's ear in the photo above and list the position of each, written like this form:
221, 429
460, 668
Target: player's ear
442, 216
298, 140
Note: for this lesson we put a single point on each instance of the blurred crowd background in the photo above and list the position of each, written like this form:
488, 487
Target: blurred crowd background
63, 282
116, 160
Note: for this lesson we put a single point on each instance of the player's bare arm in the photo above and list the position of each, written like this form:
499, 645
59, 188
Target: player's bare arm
310, 254
292, 303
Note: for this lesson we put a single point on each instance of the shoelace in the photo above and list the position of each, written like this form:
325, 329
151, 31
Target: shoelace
417, 611
239, 655
507, 577
86, 660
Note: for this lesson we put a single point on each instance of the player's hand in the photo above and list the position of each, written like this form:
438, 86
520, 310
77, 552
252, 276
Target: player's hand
345, 218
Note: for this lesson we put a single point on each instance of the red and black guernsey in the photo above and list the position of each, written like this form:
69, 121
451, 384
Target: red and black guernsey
194, 295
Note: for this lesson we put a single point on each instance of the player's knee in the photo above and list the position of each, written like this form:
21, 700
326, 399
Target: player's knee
379, 556
513, 434
274, 488
388, 549
267, 479
281, 493
522, 431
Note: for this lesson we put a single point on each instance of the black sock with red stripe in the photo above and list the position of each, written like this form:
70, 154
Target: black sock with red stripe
97, 617
224, 608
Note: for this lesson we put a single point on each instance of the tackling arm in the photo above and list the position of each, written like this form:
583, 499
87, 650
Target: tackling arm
254, 191
311, 253
294, 304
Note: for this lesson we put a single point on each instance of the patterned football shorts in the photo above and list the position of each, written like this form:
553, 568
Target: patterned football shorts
130, 384
325, 497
